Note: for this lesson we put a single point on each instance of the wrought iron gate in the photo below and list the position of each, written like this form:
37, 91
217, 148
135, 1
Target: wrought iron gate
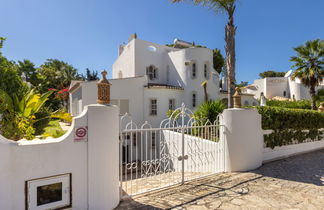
181, 149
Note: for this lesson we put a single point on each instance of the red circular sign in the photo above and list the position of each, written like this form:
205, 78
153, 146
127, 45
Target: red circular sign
81, 132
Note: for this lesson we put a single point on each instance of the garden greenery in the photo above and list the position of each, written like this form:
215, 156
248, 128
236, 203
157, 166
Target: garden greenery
20, 115
290, 125
302, 104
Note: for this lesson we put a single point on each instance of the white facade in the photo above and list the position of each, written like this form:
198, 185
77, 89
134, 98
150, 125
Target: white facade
146, 73
279, 86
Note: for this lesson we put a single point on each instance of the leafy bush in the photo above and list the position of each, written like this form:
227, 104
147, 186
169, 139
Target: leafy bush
290, 125
302, 104
209, 111
20, 116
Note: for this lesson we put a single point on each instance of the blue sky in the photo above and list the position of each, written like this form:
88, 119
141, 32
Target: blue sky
86, 33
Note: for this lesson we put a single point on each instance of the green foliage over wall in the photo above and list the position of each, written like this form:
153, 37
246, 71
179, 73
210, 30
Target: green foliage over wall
271, 74
290, 125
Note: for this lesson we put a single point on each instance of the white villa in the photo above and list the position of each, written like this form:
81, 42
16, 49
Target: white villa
148, 79
283, 87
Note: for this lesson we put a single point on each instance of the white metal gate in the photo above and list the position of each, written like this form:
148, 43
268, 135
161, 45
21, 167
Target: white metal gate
181, 149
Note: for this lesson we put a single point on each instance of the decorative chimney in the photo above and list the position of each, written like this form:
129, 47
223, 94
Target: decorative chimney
103, 89
321, 107
237, 98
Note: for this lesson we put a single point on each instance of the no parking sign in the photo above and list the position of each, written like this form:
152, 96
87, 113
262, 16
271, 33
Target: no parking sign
81, 133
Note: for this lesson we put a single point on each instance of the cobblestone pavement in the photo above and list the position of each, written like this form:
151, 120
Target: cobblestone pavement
293, 183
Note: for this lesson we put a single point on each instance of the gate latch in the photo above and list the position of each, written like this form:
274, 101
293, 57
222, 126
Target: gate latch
180, 158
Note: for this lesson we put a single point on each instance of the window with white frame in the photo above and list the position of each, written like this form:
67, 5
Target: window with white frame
206, 71
194, 99
172, 104
152, 72
153, 107
194, 71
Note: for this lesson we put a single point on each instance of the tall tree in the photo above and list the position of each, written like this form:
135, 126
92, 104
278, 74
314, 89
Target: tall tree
91, 75
229, 7
309, 64
2, 39
56, 74
27, 69
218, 60
10, 81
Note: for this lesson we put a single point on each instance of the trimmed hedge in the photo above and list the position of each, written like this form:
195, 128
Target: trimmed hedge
302, 104
280, 118
289, 125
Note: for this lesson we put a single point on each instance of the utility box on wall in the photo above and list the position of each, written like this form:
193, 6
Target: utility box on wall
49, 192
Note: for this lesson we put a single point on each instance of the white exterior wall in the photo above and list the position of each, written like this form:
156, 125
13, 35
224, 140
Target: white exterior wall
125, 62
249, 100
131, 89
95, 182
200, 56
162, 96
275, 86
134, 60
145, 58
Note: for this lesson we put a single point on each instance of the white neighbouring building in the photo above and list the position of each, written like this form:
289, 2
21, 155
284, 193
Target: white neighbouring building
148, 79
280, 87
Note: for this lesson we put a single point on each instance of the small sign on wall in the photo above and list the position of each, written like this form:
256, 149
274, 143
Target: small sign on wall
81, 133
52, 192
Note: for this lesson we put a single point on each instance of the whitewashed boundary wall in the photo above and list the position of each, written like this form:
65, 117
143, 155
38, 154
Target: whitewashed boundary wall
205, 156
93, 164
289, 150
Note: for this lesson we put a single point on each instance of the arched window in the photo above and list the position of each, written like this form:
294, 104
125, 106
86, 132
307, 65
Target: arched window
254, 104
152, 72
194, 71
284, 93
246, 103
120, 74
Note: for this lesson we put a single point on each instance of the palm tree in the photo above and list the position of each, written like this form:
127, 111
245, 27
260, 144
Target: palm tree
309, 64
229, 7
204, 85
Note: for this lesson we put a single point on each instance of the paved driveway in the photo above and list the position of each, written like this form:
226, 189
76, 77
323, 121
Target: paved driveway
293, 183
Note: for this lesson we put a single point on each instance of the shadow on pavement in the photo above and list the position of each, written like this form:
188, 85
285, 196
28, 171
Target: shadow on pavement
305, 168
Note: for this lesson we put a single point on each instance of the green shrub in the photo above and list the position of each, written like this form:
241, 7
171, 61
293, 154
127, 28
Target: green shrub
302, 104
209, 111
21, 117
282, 118
290, 125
